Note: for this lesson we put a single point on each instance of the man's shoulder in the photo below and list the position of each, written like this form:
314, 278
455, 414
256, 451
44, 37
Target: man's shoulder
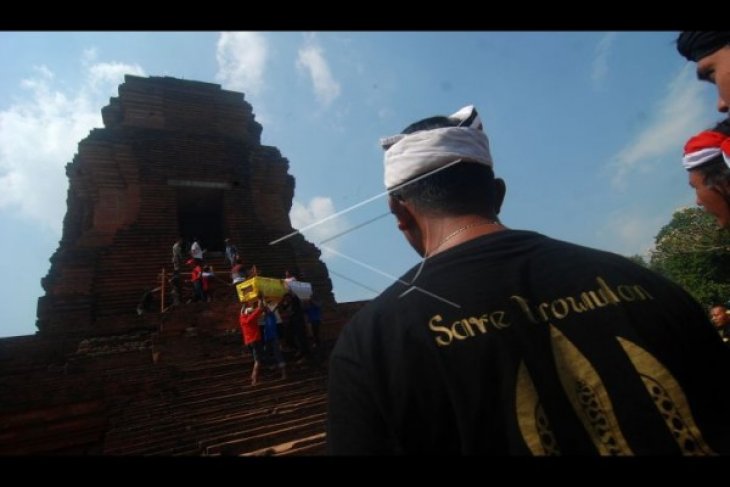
373, 312
580, 250
372, 309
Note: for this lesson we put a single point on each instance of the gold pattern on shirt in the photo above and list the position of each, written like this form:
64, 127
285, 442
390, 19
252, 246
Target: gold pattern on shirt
587, 301
531, 418
588, 396
669, 399
448, 330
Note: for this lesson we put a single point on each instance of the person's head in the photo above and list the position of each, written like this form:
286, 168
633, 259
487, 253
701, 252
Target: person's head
250, 306
227, 241
711, 52
440, 168
707, 160
719, 316
292, 274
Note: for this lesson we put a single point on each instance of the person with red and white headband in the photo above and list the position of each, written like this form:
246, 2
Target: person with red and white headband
707, 160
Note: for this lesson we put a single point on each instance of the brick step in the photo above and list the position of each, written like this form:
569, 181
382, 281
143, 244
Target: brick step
172, 427
182, 428
271, 385
303, 446
257, 438
212, 397
75, 436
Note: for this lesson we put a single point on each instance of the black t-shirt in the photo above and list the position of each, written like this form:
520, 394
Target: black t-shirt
515, 343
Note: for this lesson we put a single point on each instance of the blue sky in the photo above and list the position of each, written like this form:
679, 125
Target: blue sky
586, 128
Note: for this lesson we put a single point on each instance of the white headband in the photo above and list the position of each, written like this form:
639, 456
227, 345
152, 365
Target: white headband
410, 155
698, 158
704, 147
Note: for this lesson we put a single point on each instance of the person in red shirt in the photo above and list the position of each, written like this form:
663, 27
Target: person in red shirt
251, 333
196, 278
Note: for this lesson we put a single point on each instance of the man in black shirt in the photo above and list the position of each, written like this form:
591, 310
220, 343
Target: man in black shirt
509, 342
721, 319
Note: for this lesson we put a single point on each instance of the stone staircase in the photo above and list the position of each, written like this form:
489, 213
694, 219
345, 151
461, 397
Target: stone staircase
210, 408
181, 390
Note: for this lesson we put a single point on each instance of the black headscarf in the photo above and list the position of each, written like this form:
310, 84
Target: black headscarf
694, 45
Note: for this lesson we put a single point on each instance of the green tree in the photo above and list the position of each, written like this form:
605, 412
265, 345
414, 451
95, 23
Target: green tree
693, 252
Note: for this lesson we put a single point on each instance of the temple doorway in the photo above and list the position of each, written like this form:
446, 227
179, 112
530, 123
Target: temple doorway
200, 213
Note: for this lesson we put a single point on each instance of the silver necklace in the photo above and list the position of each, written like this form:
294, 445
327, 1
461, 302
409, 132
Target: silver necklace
459, 230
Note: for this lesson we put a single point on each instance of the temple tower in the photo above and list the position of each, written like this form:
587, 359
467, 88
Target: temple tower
175, 158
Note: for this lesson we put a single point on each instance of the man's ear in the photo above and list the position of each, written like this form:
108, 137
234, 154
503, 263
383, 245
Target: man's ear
500, 190
402, 212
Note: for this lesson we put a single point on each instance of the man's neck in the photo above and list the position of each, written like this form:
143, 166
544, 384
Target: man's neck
445, 233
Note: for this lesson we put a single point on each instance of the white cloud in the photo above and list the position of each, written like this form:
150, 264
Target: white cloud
681, 113
242, 58
630, 232
89, 55
385, 113
39, 134
316, 210
311, 58
600, 61
104, 75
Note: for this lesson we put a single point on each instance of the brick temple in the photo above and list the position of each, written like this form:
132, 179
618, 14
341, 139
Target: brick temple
175, 158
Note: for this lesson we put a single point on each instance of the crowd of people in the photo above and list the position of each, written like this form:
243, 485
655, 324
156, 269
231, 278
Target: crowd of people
265, 333
707, 154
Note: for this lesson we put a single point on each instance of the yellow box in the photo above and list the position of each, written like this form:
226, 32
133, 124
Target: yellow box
253, 288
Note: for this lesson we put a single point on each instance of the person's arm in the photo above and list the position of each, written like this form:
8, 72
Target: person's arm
274, 308
355, 425
256, 313
284, 303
